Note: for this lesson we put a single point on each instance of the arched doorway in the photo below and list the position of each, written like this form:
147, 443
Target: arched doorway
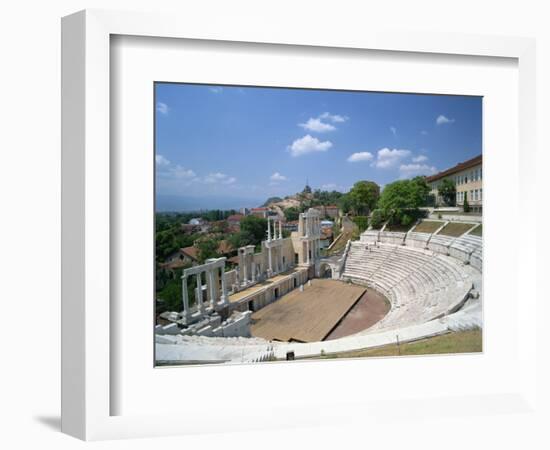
325, 271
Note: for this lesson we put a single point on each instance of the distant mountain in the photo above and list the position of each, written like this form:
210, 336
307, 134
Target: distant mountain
181, 203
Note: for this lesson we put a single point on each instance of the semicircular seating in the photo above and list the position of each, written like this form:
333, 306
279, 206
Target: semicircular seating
420, 284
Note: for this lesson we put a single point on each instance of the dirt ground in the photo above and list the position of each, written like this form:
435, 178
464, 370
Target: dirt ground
370, 308
307, 316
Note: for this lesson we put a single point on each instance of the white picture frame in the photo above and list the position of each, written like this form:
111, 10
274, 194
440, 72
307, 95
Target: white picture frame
86, 247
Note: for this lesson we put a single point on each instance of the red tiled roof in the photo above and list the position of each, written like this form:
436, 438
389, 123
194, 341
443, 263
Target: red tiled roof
460, 166
259, 209
192, 252
235, 217
224, 247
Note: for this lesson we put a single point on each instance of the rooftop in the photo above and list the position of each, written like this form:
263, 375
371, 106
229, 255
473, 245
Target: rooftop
460, 166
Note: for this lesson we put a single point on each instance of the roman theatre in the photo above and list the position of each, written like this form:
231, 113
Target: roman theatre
288, 300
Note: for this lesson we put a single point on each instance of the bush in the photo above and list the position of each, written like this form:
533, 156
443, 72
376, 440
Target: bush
377, 219
362, 222
406, 220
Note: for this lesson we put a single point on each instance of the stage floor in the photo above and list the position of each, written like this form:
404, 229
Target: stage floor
307, 316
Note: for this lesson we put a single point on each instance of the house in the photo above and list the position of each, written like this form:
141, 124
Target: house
260, 212
332, 211
201, 223
467, 177
234, 222
197, 221
182, 257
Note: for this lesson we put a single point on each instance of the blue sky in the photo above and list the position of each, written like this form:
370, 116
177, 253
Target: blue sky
226, 147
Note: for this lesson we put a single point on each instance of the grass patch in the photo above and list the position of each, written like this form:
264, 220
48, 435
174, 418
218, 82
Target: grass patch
455, 229
428, 226
398, 227
456, 342
477, 231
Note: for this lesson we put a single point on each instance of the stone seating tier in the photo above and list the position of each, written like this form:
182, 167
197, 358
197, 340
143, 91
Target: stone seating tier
420, 285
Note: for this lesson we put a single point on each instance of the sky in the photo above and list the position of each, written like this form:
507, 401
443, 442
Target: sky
230, 147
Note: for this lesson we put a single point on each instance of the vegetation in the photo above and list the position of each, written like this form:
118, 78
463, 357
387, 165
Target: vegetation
401, 201
377, 219
447, 189
466, 205
363, 197
272, 200
457, 342
455, 229
292, 213
477, 231
318, 198
428, 226
208, 248
252, 232
362, 222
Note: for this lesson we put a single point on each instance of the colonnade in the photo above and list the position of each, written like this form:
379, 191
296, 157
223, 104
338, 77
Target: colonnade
215, 287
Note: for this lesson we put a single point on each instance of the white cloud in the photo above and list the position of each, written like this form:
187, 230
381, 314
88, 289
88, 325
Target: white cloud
317, 126
360, 156
412, 170
441, 120
387, 158
219, 177
393, 131
308, 144
420, 158
277, 177
321, 123
424, 133
181, 172
161, 160
167, 170
162, 108
333, 117
216, 90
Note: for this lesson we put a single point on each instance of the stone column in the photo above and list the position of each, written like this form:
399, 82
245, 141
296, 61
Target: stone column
198, 293
270, 269
280, 229
307, 252
245, 274
185, 313
253, 271
223, 299
212, 288
268, 230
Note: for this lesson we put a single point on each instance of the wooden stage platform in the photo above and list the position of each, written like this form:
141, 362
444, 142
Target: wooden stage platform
307, 316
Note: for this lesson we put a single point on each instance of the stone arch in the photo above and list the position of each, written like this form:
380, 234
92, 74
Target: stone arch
325, 270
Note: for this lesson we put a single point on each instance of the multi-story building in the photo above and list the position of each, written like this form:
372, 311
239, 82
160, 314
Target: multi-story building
468, 179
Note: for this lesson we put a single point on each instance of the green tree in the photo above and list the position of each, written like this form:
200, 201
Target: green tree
377, 219
404, 197
255, 227
292, 213
362, 222
208, 248
447, 189
363, 196
466, 204
345, 203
